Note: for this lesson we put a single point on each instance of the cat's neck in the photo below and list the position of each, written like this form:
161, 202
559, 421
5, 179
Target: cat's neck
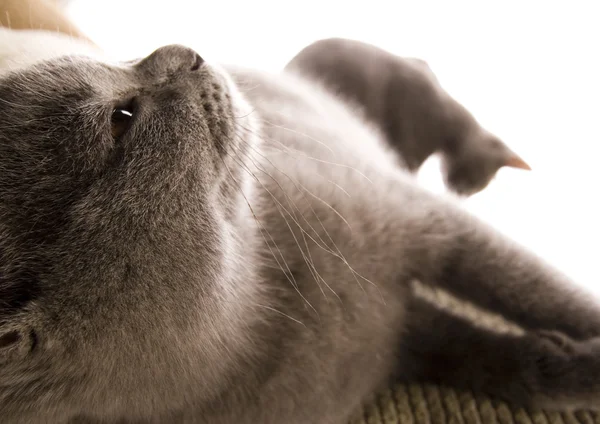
457, 125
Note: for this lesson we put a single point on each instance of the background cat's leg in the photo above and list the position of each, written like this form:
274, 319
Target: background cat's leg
537, 369
475, 263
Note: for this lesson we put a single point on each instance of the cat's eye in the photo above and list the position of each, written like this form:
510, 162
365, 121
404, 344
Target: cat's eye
121, 118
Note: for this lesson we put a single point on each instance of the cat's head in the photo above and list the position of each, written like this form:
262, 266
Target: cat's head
476, 160
119, 192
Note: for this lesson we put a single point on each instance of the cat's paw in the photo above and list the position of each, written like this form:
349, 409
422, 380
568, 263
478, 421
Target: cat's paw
567, 371
557, 341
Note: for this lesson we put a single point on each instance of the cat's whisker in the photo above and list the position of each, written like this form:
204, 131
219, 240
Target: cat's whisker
263, 229
263, 170
339, 254
289, 275
243, 261
246, 115
289, 151
304, 135
306, 156
296, 184
307, 260
281, 313
334, 210
347, 148
317, 197
248, 90
239, 187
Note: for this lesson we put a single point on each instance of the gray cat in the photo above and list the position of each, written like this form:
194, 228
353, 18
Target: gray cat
417, 116
185, 244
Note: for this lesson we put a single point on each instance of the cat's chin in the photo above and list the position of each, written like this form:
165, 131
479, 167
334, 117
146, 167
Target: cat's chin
243, 112
247, 139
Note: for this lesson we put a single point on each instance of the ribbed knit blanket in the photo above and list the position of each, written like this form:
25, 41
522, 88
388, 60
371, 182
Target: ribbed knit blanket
429, 404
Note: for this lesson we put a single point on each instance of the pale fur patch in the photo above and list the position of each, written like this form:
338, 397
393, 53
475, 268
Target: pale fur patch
467, 310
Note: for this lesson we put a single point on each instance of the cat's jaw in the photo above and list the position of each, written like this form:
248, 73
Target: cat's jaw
248, 135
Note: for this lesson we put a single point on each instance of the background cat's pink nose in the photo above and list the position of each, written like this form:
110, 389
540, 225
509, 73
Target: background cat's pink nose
171, 59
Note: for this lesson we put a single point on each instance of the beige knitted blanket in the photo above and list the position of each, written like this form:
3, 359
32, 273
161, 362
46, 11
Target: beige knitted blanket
428, 404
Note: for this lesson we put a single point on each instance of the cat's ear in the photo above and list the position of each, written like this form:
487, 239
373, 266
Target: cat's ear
515, 161
494, 148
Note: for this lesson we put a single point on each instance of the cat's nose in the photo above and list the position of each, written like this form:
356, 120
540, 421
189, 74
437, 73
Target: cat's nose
170, 60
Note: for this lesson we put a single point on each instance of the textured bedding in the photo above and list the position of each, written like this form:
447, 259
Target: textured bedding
428, 404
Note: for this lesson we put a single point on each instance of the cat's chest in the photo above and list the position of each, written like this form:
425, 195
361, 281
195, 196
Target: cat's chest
328, 213
326, 182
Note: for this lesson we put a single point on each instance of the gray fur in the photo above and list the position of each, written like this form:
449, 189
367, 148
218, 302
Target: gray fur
245, 261
403, 97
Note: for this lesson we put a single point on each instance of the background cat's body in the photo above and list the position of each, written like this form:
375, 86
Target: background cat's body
245, 263
403, 97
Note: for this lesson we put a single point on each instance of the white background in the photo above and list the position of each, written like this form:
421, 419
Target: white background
528, 70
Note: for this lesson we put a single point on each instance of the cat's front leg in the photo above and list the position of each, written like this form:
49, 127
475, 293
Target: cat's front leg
568, 372
467, 258
539, 369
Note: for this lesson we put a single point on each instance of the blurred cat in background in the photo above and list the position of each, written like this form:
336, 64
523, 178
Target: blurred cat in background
403, 97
